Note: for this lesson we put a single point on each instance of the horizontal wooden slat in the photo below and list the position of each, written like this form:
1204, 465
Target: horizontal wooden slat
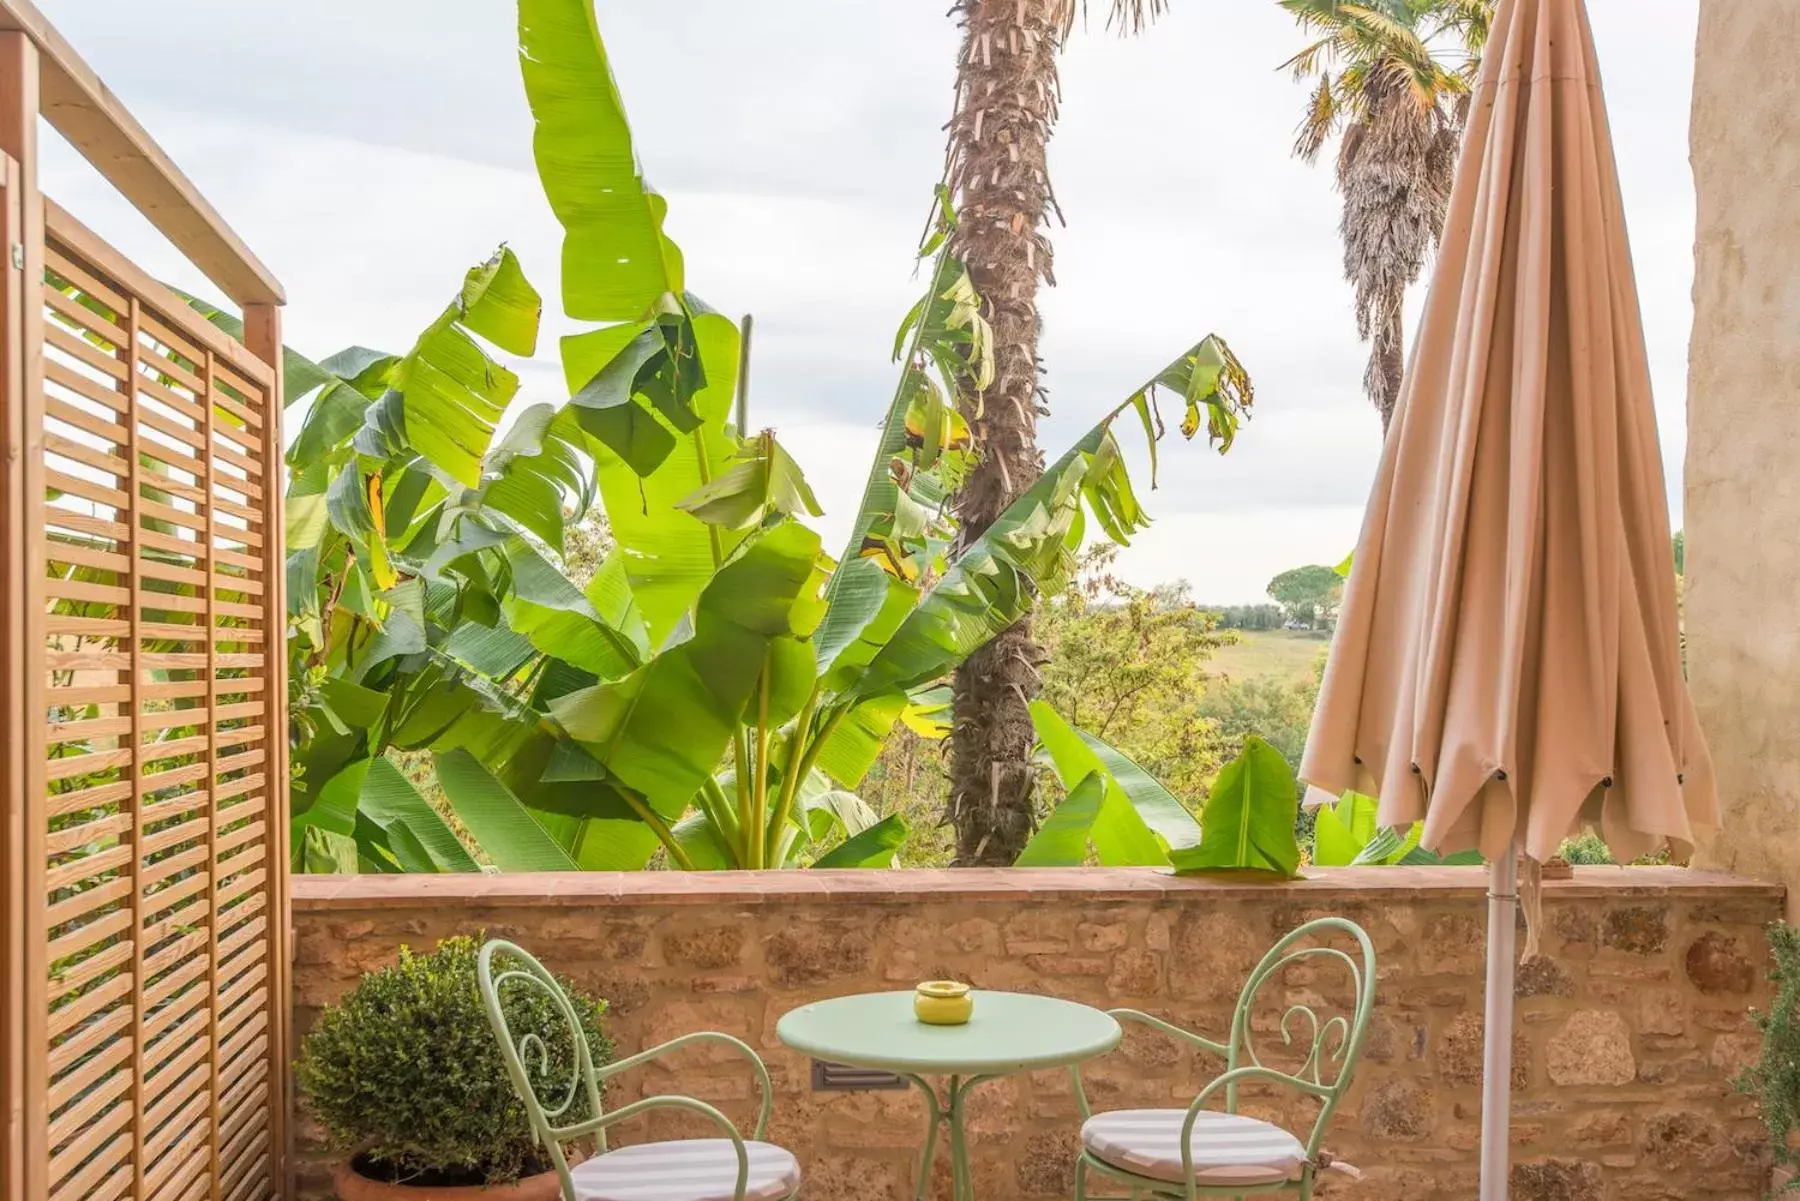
164, 912
65, 875
70, 309
73, 838
78, 975
81, 419
247, 1179
103, 394
83, 1078
166, 957
82, 765
164, 363
88, 490
77, 272
77, 907
245, 1141
86, 455
93, 1118
87, 798
185, 1127
58, 517
83, 351
178, 1176
172, 1080
87, 1005
72, 1179
89, 1038
241, 1092
175, 1026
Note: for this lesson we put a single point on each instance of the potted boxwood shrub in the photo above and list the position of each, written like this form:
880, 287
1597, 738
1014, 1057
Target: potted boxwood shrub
406, 1077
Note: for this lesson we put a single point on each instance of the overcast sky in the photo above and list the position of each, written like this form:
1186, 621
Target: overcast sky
371, 150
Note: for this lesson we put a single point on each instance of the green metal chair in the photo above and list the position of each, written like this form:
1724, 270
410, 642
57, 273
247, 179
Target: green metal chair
1201, 1152
731, 1168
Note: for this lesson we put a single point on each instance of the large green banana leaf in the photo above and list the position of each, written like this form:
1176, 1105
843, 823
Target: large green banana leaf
446, 394
616, 262
663, 729
1342, 831
1249, 817
1131, 822
505, 828
669, 555
392, 816
1030, 550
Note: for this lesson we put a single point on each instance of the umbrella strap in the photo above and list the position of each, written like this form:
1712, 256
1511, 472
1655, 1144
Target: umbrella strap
1531, 902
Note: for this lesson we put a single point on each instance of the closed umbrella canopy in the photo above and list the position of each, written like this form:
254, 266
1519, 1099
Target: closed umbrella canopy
1507, 665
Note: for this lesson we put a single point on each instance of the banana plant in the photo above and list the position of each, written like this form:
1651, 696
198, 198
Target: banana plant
1346, 833
722, 685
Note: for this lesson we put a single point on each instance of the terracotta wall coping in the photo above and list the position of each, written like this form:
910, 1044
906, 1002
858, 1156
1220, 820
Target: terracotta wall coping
998, 886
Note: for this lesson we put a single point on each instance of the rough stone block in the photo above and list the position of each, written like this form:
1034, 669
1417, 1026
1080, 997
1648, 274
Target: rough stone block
1636, 929
1558, 1180
1718, 963
1593, 1047
1135, 977
1398, 1109
1461, 1049
707, 948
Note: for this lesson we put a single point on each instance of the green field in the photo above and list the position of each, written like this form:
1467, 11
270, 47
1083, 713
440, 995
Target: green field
1285, 654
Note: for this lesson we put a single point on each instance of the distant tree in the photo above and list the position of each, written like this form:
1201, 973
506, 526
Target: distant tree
1680, 542
1247, 617
1128, 665
1309, 594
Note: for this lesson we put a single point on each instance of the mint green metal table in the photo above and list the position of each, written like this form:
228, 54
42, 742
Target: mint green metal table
1010, 1033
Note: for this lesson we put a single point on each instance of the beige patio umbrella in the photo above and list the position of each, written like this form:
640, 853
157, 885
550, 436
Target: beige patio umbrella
1507, 662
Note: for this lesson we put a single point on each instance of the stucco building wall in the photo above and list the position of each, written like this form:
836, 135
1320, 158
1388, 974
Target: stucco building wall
1743, 466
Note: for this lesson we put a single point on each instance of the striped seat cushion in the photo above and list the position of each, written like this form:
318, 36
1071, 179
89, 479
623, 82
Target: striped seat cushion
1228, 1148
701, 1169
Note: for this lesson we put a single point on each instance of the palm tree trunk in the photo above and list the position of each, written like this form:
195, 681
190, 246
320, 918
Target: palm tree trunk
1005, 109
1387, 361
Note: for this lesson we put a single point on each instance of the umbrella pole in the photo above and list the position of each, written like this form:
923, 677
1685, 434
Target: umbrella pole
1496, 1073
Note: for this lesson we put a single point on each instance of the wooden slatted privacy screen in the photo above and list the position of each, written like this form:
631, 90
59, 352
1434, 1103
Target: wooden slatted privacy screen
155, 939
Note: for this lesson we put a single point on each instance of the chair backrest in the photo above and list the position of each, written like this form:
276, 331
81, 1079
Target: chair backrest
549, 1096
1332, 1045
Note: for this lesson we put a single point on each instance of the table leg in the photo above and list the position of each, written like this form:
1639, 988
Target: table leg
949, 1113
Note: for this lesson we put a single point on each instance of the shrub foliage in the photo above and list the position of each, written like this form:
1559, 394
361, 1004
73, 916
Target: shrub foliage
405, 1072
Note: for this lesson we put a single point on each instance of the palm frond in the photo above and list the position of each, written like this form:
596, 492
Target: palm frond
1306, 64
1126, 17
1315, 15
1320, 121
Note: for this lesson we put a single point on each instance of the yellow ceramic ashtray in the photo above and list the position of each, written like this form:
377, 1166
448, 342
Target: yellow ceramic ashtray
943, 1003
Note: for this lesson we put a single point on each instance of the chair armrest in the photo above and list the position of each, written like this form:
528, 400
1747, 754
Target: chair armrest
1143, 1019
669, 1101
705, 1036
1176, 1032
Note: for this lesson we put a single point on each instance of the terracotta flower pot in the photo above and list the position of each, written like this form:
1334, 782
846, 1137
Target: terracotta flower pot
352, 1185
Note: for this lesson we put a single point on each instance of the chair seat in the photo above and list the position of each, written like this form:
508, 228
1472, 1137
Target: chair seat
1228, 1148
702, 1169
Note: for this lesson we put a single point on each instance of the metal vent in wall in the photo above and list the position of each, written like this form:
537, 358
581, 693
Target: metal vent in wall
837, 1078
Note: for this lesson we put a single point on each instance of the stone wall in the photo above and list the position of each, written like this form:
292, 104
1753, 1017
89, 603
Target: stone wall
1743, 463
1628, 1032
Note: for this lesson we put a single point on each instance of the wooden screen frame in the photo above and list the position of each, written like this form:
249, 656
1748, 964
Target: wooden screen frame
40, 75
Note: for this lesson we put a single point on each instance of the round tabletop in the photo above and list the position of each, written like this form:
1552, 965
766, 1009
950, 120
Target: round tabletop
1009, 1032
